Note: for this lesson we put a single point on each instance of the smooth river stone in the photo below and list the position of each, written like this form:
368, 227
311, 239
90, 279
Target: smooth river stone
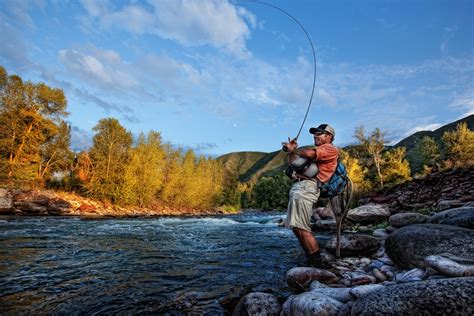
462, 217
433, 297
311, 303
405, 219
341, 294
257, 304
410, 245
301, 277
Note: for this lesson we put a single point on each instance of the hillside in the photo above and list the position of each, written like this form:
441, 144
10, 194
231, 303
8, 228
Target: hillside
411, 141
253, 165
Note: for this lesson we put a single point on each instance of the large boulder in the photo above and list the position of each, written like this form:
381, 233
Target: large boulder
257, 304
409, 245
314, 303
354, 245
462, 217
369, 213
405, 219
301, 277
433, 297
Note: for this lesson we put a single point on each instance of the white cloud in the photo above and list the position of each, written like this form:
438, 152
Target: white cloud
464, 102
428, 127
189, 22
104, 68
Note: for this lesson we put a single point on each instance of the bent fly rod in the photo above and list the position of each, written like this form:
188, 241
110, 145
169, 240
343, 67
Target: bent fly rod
312, 49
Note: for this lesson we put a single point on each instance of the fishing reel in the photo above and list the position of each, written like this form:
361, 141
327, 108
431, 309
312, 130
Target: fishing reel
290, 144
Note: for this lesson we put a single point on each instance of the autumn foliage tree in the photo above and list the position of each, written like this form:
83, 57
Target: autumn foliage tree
109, 158
31, 116
459, 145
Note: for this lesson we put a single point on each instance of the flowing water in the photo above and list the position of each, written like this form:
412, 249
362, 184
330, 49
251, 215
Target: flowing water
170, 265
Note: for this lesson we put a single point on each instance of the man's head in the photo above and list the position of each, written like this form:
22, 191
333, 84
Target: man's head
323, 134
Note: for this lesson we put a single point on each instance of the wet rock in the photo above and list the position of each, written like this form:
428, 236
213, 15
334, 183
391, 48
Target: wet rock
345, 310
380, 233
448, 204
440, 297
257, 304
390, 229
369, 213
354, 245
310, 303
325, 224
341, 294
462, 217
412, 275
379, 275
361, 280
6, 202
286, 308
405, 219
409, 245
59, 207
317, 285
362, 290
451, 266
301, 277
376, 264
324, 212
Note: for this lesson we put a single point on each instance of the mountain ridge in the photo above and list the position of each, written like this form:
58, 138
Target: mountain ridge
251, 165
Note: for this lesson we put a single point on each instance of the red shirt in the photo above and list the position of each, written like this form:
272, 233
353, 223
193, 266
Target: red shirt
326, 159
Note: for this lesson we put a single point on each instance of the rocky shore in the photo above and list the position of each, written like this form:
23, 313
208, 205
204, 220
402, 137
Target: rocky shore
408, 251
55, 203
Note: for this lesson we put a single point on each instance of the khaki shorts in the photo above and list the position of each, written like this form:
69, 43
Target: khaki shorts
303, 195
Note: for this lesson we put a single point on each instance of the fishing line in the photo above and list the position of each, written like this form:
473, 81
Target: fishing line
312, 49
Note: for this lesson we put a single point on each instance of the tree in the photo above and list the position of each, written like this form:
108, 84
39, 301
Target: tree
30, 116
459, 145
109, 158
373, 144
271, 192
356, 172
144, 173
429, 152
396, 168
55, 154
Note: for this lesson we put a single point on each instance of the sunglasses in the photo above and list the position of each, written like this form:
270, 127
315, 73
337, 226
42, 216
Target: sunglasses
319, 133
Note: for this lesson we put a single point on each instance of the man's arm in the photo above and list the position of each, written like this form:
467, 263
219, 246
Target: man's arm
291, 148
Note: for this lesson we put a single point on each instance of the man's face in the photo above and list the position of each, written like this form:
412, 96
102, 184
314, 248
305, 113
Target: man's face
322, 138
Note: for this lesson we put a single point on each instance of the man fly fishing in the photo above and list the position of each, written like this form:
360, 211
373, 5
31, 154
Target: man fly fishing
309, 169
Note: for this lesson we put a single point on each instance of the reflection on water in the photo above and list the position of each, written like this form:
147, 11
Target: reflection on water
59, 265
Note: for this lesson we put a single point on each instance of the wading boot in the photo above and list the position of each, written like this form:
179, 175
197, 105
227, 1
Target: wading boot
316, 261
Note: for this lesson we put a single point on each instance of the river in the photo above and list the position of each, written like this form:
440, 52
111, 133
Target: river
167, 265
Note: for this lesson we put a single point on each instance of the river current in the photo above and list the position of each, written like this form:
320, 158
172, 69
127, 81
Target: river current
168, 265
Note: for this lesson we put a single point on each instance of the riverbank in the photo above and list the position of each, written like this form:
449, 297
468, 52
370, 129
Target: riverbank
27, 202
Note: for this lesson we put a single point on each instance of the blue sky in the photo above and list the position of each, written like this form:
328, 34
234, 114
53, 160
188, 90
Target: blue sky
222, 76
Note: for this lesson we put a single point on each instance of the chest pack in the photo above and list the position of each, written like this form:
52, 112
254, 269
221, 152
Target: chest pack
302, 168
337, 183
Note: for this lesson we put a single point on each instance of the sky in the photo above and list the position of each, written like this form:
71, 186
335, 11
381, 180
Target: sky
220, 76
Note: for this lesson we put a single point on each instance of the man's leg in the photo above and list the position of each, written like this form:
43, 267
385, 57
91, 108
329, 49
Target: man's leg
307, 240
310, 247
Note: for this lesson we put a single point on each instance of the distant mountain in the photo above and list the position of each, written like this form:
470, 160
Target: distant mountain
411, 141
253, 165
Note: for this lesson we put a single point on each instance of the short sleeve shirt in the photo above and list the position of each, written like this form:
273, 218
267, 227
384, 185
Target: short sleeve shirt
326, 158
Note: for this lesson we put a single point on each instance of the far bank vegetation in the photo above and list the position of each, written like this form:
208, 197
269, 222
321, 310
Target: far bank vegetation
146, 171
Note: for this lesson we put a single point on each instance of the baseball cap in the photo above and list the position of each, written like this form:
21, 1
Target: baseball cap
323, 128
